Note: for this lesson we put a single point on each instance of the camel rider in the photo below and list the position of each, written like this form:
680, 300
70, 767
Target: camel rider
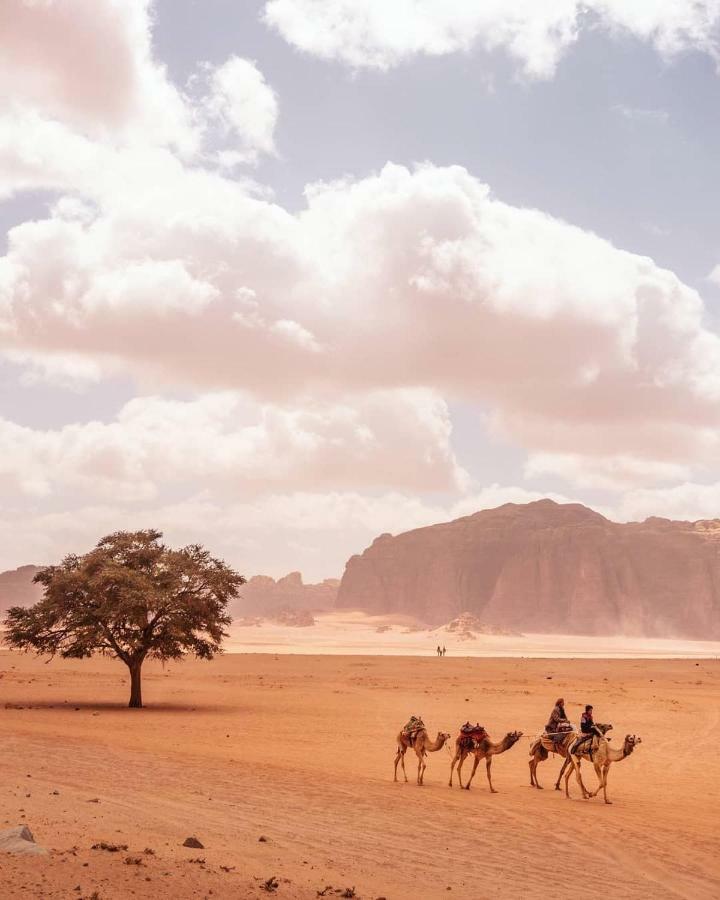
588, 729
556, 717
587, 725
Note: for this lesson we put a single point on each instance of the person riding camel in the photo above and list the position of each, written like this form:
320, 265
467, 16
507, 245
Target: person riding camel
557, 716
588, 728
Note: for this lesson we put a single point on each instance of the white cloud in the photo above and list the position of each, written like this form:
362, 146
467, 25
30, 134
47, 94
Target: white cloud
244, 106
379, 34
187, 279
234, 447
89, 64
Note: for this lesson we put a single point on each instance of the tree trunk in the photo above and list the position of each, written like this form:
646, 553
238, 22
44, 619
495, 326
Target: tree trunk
135, 685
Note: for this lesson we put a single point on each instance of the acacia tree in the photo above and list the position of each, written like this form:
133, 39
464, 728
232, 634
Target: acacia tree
132, 598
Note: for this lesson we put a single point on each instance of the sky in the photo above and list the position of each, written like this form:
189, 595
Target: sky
278, 276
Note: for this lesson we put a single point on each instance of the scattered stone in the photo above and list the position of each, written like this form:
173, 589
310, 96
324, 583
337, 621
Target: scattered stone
133, 861
148, 851
262, 839
94, 800
20, 840
111, 848
200, 860
194, 843
271, 885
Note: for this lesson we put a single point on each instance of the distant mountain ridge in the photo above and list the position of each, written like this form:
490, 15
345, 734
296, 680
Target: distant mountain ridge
547, 567
261, 595
17, 588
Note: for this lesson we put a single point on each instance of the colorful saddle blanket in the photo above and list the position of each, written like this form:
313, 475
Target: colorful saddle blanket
471, 735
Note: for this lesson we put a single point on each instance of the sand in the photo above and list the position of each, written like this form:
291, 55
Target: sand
354, 632
299, 749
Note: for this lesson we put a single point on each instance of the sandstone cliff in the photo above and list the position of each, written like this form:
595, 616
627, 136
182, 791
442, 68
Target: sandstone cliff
545, 567
263, 596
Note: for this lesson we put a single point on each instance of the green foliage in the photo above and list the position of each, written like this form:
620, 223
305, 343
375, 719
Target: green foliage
131, 597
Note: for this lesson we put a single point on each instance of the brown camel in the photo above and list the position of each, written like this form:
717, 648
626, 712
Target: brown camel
484, 749
602, 757
422, 745
543, 747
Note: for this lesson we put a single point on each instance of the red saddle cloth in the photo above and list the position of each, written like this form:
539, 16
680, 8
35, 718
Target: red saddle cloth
471, 738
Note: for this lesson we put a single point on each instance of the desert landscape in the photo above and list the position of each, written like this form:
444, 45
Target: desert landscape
298, 751
359, 442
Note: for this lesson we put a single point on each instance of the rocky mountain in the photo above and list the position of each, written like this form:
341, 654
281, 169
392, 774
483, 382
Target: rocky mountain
17, 588
547, 567
263, 595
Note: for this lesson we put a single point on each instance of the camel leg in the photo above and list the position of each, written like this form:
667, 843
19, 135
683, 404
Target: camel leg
488, 763
533, 766
598, 772
463, 754
401, 754
568, 773
398, 757
452, 767
472, 774
604, 784
421, 767
578, 775
562, 770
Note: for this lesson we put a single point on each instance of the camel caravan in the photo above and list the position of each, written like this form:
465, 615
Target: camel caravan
559, 737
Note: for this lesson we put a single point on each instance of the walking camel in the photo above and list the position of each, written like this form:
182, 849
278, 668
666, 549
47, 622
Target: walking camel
422, 745
602, 758
543, 746
483, 749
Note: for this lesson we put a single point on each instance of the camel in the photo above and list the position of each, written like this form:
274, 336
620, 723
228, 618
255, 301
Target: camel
422, 745
484, 749
603, 756
543, 746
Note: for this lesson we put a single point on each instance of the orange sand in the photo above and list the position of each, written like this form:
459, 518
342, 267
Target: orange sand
299, 749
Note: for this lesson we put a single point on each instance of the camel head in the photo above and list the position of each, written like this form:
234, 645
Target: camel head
443, 736
512, 737
631, 741
604, 728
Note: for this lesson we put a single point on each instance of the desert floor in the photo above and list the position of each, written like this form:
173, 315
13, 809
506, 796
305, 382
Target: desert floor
299, 749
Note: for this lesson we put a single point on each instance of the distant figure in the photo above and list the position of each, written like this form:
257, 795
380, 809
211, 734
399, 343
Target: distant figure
438, 650
444, 651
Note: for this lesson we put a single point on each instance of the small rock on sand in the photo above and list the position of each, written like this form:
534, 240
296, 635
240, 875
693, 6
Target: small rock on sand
20, 840
194, 843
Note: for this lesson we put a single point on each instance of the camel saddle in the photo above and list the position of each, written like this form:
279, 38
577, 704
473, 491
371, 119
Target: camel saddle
411, 729
471, 735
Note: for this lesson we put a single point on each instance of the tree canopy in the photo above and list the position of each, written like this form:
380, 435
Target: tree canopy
130, 597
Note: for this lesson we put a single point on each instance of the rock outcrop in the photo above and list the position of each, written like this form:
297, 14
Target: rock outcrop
17, 588
20, 841
546, 567
263, 596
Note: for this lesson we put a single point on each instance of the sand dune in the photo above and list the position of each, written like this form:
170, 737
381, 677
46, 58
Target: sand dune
299, 749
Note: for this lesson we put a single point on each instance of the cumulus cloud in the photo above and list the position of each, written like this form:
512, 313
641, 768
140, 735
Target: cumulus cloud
378, 34
89, 63
243, 107
232, 446
403, 279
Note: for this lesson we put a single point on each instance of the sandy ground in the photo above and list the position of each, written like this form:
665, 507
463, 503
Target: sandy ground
354, 632
299, 749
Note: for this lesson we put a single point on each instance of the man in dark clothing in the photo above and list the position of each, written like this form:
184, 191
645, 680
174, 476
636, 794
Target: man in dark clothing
588, 728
